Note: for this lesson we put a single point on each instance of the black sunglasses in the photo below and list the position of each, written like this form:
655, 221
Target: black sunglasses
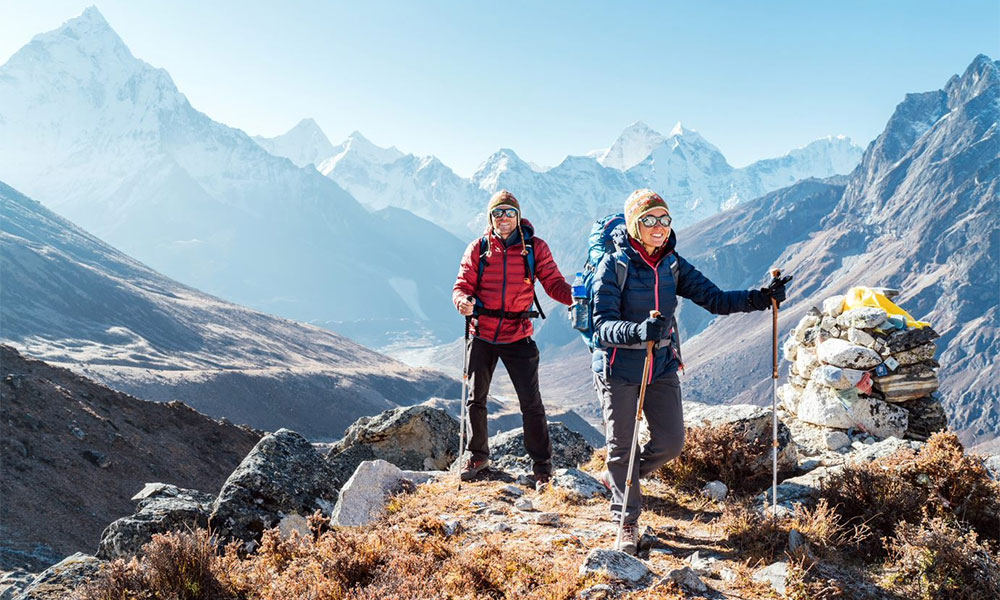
504, 212
651, 221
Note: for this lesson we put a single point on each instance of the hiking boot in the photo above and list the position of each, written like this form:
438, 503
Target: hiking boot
472, 468
542, 481
630, 539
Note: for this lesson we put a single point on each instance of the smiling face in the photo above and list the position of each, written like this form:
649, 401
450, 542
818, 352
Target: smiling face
657, 235
504, 225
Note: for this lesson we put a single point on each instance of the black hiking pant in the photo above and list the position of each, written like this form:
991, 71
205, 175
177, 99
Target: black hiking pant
521, 361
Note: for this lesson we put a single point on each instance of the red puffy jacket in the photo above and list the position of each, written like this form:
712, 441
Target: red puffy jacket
505, 285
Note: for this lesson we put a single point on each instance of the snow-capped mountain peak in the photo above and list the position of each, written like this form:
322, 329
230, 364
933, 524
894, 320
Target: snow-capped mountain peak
632, 146
304, 144
358, 150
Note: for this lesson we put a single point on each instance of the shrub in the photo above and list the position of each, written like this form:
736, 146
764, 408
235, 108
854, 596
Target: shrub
176, 565
941, 559
940, 478
718, 452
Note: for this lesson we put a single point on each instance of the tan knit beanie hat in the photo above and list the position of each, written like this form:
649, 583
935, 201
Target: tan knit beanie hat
639, 203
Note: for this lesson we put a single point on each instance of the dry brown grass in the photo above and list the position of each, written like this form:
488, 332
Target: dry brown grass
940, 479
718, 452
597, 463
941, 559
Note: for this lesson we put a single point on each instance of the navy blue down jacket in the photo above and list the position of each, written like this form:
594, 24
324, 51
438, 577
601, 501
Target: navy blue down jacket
618, 312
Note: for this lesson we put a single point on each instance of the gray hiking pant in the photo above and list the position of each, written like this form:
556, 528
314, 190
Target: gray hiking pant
665, 419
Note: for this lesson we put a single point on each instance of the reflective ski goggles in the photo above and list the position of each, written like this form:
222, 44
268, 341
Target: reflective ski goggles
504, 212
651, 221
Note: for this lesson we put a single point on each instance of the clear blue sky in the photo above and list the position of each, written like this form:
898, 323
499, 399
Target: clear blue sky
460, 79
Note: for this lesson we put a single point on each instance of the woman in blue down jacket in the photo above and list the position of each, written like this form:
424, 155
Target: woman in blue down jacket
623, 326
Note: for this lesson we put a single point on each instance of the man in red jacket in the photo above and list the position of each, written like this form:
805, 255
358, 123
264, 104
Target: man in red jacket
496, 284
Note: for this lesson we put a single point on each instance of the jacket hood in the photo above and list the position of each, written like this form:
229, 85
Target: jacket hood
620, 237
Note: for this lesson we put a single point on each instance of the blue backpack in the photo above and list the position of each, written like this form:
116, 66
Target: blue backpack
600, 243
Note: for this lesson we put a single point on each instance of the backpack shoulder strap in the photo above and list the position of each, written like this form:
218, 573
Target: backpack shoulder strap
484, 246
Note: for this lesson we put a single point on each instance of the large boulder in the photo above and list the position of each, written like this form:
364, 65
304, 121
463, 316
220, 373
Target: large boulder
161, 508
753, 423
419, 438
821, 405
363, 497
61, 579
569, 449
282, 475
844, 354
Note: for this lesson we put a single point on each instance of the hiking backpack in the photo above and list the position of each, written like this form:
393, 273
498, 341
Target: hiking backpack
599, 243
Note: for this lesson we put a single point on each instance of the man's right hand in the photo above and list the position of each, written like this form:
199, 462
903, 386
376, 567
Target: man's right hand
466, 306
653, 329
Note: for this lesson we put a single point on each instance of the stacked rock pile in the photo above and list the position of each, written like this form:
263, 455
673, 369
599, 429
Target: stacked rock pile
863, 370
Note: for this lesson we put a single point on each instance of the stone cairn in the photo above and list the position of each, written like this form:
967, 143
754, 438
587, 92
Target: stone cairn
863, 371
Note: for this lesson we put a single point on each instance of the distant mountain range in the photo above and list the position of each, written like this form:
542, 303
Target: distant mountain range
76, 302
920, 213
566, 199
108, 142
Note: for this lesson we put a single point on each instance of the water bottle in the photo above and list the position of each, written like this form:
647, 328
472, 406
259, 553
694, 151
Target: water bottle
578, 313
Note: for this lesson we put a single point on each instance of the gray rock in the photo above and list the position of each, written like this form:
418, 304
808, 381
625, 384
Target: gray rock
58, 581
702, 565
820, 405
283, 474
880, 419
524, 504
601, 591
922, 353
863, 317
512, 490
775, 574
615, 565
687, 579
835, 440
860, 337
882, 449
841, 353
789, 395
363, 497
833, 306
569, 449
803, 489
716, 490
162, 508
806, 362
501, 527
294, 523
836, 377
419, 438
581, 485
906, 339
545, 518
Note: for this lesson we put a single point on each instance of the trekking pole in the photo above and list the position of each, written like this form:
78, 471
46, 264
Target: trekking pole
775, 273
465, 396
647, 368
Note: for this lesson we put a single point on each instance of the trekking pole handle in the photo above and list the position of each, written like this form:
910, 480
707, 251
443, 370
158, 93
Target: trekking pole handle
775, 273
655, 314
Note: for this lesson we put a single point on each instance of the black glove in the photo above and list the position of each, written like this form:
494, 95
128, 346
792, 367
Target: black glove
653, 329
761, 299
